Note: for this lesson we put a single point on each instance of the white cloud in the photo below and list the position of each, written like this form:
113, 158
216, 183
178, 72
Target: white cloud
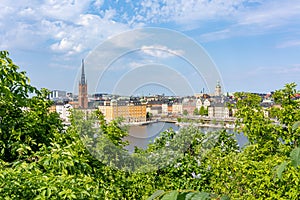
66, 45
61, 20
67, 10
27, 12
291, 43
54, 25
269, 17
98, 3
183, 12
161, 51
66, 27
228, 18
136, 64
217, 35
243, 12
271, 14
88, 31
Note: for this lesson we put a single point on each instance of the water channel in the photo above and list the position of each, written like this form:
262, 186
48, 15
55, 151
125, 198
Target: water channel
142, 135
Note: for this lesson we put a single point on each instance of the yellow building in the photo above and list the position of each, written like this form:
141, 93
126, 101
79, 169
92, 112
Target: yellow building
130, 112
137, 113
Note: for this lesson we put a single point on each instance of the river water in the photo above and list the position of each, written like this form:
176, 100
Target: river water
141, 136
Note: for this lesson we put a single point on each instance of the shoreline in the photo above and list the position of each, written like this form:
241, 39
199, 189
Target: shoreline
182, 124
139, 123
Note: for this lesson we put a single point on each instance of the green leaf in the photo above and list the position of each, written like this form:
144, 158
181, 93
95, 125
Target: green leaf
156, 194
48, 192
295, 157
189, 195
225, 197
280, 169
296, 125
201, 196
170, 196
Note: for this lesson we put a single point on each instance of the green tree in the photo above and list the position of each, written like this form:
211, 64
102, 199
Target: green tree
288, 113
179, 119
266, 168
196, 111
25, 121
185, 112
252, 122
41, 161
149, 116
203, 111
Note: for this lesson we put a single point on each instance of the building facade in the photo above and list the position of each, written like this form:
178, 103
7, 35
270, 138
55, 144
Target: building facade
64, 111
130, 112
189, 105
165, 109
177, 108
57, 94
219, 111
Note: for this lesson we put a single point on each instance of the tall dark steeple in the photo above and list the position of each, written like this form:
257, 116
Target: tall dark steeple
82, 80
83, 95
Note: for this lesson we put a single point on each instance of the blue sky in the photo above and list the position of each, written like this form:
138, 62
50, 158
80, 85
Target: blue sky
254, 44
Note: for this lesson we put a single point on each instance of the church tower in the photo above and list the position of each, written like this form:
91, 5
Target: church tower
218, 90
83, 95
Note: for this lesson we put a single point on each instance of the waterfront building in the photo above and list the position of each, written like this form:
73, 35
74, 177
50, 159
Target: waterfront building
164, 109
170, 108
218, 110
189, 105
130, 111
177, 108
83, 93
154, 110
154, 106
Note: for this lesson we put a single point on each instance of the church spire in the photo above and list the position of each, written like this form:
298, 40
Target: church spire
82, 73
83, 94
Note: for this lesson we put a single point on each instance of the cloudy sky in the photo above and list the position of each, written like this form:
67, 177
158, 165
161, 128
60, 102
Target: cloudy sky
254, 44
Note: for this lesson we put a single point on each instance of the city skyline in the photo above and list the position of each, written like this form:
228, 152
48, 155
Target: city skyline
253, 44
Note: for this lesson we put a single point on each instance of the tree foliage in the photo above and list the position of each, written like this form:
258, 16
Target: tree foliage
38, 160
25, 122
203, 111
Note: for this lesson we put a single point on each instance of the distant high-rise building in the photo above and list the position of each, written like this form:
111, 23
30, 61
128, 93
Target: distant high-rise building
83, 94
218, 90
57, 94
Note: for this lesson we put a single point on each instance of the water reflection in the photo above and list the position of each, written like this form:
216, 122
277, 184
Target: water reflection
141, 136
